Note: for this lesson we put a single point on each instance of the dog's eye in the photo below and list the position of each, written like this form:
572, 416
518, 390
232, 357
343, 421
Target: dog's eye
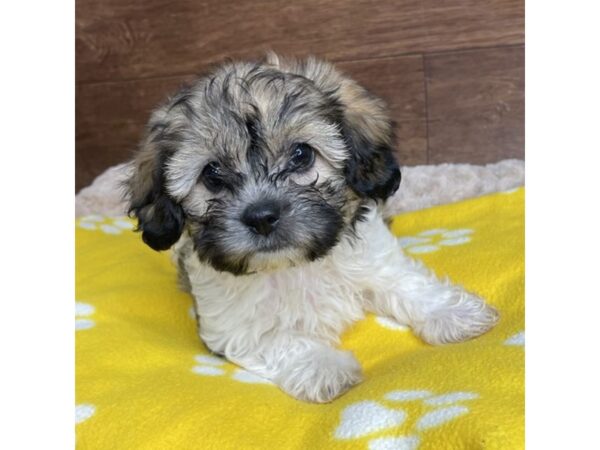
303, 157
212, 176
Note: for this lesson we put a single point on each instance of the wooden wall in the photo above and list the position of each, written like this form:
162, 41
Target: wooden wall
452, 71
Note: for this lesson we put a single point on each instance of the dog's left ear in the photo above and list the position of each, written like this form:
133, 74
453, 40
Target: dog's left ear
371, 169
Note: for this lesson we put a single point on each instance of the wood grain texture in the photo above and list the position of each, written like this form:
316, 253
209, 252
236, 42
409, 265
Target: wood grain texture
122, 40
476, 105
400, 82
110, 119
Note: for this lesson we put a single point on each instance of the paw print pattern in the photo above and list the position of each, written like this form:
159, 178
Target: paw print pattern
108, 225
243, 376
212, 366
83, 412
516, 339
439, 416
364, 418
82, 313
394, 443
208, 365
432, 240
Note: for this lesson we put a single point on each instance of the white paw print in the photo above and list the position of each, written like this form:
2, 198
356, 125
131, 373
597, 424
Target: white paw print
366, 417
108, 225
244, 376
82, 313
394, 443
516, 339
439, 416
209, 365
83, 412
432, 240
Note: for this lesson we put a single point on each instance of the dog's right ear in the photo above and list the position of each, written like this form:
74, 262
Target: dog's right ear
160, 218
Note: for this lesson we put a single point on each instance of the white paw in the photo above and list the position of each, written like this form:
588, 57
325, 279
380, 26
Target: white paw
466, 318
320, 376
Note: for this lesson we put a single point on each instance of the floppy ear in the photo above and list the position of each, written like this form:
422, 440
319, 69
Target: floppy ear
371, 169
160, 218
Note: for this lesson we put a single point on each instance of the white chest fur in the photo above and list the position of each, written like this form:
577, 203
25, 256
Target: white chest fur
317, 299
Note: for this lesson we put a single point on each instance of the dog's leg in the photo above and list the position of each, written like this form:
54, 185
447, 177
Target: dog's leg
404, 289
303, 367
437, 311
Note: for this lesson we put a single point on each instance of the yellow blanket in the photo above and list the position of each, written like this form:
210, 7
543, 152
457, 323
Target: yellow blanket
145, 381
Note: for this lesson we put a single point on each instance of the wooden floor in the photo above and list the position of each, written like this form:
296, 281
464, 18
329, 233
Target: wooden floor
452, 71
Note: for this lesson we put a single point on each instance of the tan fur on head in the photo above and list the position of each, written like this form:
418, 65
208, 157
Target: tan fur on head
366, 113
245, 121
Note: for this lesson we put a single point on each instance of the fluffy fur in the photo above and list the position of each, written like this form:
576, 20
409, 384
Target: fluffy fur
269, 180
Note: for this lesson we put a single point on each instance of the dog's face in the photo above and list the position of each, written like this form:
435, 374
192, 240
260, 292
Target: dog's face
265, 164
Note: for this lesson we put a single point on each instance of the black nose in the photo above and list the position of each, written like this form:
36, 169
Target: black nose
262, 217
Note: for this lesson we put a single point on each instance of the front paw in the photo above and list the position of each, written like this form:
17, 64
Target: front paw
466, 318
320, 376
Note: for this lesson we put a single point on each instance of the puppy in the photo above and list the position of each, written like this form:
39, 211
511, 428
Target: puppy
267, 179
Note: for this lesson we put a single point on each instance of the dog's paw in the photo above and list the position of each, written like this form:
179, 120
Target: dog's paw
466, 318
320, 376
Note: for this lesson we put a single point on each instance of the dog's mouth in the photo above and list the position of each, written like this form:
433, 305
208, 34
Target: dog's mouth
274, 259
260, 255
271, 244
